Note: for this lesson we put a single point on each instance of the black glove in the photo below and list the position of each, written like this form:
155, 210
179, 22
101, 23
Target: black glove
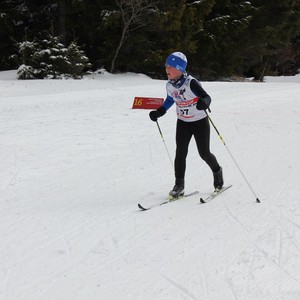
155, 114
203, 103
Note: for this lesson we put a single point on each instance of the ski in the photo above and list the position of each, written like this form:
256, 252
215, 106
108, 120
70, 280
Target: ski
213, 195
169, 200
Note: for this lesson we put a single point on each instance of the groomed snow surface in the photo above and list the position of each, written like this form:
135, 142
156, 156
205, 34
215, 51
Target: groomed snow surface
75, 160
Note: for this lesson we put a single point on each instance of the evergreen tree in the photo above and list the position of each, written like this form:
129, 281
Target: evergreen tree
10, 14
176, 25
22, 20
222, 40
92, 24
27, 50
273, 27
79, 63
51, 60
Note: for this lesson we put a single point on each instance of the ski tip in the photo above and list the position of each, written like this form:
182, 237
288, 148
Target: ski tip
202, 201
141, 207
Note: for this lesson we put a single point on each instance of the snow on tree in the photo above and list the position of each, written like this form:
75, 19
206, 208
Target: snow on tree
50, 58
25, 72
26, 50
78, 61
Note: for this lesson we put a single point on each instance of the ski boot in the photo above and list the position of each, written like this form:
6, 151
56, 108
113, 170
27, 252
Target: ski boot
178, 189
218, 180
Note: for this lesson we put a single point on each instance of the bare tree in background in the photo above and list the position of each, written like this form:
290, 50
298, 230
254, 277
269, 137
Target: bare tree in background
134, 16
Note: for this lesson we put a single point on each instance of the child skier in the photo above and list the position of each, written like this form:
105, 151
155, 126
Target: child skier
191, 102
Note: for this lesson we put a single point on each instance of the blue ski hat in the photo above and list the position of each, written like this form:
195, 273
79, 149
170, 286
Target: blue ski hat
177, 60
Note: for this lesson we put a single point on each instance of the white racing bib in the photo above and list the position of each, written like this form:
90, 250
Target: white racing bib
185, 101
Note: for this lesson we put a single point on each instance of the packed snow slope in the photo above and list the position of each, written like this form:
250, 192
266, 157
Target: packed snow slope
75, 160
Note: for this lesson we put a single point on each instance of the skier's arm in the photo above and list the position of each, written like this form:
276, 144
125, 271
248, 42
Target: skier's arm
204, 99
169, 101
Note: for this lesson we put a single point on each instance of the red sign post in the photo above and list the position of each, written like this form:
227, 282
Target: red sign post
147, 103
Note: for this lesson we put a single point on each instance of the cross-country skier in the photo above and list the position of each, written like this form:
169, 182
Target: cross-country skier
191, 102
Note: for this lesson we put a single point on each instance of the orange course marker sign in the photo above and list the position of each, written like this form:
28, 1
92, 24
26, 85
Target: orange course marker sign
147, 103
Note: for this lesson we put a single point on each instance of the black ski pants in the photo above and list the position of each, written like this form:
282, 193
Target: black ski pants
201, 132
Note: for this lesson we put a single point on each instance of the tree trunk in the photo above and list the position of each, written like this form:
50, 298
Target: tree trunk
62, 20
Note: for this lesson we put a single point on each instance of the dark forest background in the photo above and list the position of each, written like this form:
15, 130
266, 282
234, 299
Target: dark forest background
222, 39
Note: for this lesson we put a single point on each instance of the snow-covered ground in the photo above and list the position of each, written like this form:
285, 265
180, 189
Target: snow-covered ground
75, 160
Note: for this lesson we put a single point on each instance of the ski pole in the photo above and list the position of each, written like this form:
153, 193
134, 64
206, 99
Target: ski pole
221, 138
162, 137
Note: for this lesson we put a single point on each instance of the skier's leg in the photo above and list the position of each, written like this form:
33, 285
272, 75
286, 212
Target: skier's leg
202, 137
183, 137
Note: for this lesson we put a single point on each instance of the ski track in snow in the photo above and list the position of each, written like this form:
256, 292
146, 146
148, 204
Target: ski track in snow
75, 160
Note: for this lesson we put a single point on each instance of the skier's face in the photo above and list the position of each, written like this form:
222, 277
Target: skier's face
173, 73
